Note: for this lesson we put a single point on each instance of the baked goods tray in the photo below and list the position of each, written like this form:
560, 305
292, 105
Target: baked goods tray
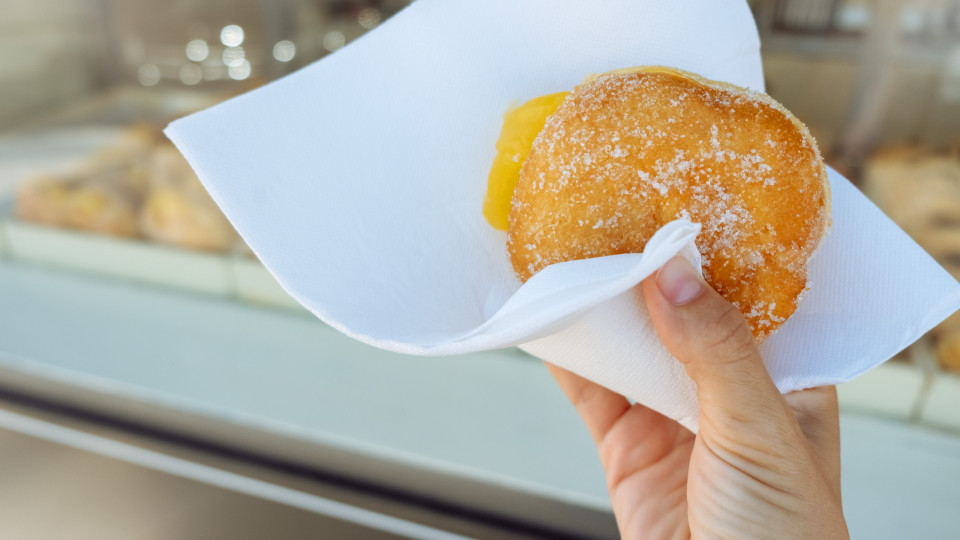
59, 143
226, 275
912, 387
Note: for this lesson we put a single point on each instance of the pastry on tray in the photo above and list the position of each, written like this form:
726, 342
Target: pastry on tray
178, 211
102, 194
105, 204
139, 186
920, 190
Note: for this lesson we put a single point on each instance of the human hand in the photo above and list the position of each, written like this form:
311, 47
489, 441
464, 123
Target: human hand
763, 465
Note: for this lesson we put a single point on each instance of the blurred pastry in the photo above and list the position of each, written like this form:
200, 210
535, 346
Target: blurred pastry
102, 204
919, 189
105, 205
178, 211
138, 185
44, 200
102, 194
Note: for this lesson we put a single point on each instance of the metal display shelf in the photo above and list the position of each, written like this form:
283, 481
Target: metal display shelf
487, 432
487, 437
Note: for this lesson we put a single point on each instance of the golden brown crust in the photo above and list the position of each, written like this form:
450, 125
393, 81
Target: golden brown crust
178, 211
630, 151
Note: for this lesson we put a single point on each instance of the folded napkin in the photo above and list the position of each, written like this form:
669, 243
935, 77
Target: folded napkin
359, 182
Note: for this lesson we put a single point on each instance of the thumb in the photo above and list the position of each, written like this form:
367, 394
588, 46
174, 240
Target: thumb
713, 341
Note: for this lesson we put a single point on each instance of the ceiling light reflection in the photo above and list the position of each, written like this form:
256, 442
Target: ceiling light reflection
148, 75
284, 51
239, 72
190, 74
197, 50
233, 56
334, 41
368, 17
231, 35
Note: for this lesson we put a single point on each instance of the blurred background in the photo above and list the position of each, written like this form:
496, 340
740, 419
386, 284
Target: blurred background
155, 382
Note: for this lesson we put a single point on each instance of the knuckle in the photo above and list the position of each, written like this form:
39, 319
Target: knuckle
583, 397
813, 402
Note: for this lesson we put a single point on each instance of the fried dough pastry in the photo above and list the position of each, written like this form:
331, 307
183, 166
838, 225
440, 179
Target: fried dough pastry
631, 150
178, 211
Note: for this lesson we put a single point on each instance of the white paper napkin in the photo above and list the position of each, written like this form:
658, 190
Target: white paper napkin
359, 182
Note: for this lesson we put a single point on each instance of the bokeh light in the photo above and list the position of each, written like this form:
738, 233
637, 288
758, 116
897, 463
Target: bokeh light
148, 75
284, 51
234, 56
231, 35
240, 71
369, 17
190, 74
197, 50
334, 41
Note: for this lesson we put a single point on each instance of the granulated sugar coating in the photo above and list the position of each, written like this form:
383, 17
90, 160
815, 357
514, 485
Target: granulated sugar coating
630, 151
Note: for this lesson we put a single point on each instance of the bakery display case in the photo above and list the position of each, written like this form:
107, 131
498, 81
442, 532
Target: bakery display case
135, 323
878, 84
178, 361
87, 180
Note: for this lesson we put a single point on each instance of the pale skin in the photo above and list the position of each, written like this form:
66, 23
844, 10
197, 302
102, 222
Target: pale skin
763, 465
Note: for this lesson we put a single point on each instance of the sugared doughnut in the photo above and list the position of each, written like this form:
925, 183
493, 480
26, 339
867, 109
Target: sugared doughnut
631, 150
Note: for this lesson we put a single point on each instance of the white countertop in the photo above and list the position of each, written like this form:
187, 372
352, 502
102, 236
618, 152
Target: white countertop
495, 416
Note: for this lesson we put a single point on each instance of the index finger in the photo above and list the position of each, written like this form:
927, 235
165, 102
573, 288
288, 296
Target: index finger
599, 407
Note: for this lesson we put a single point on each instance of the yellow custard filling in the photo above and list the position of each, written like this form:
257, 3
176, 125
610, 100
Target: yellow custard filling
520, 127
